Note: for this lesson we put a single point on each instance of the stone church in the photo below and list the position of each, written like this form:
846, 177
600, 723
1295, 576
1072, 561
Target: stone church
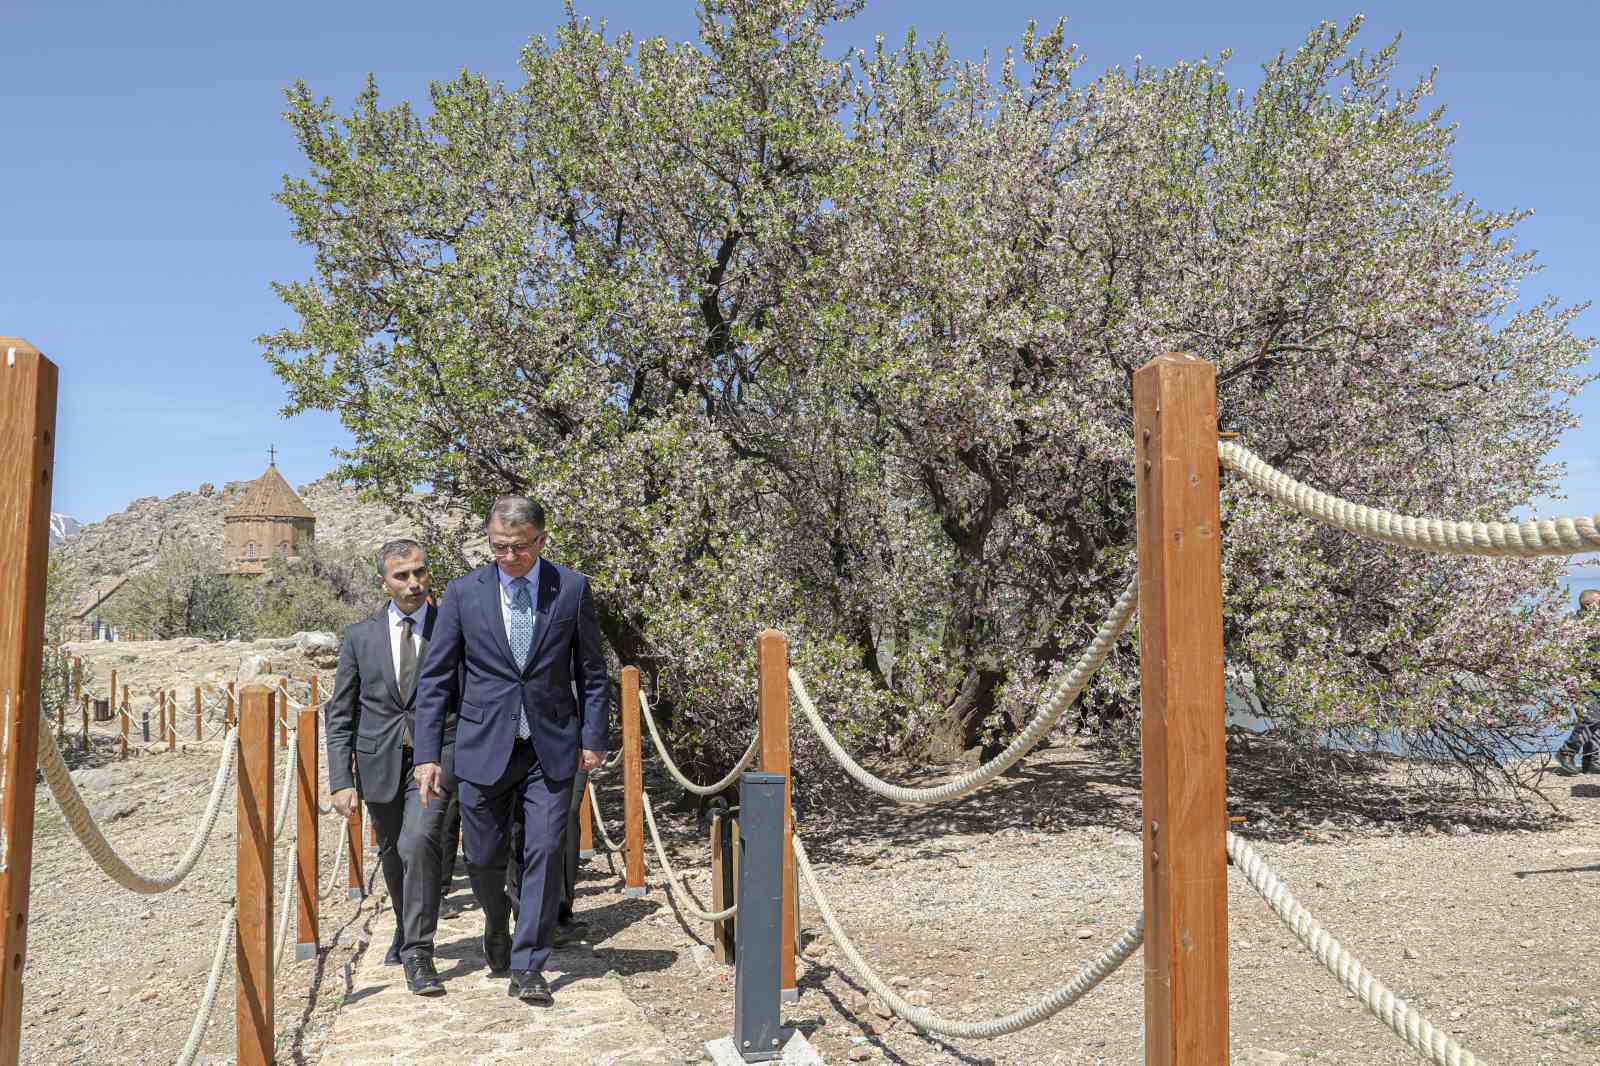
268, 520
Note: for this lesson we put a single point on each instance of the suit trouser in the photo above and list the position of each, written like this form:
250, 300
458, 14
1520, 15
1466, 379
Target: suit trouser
411, 853
569, 853
487, 814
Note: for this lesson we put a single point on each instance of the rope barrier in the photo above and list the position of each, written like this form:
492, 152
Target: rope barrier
202, 1019
285, 910
1406, 1023
1550, 536
687, 903
76, 812
338, 863
286, 801
672, 767
1052, 1004
1066, 692
600, 825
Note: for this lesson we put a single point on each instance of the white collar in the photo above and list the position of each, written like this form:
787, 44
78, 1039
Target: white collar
419, 617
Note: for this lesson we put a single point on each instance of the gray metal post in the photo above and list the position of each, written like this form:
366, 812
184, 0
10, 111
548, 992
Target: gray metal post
760, 919
145, 723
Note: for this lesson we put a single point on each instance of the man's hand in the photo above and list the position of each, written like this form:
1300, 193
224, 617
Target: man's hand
344, 801
427, 776
588, 760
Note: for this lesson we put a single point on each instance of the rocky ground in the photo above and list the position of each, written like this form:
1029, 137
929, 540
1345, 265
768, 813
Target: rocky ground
1482, 917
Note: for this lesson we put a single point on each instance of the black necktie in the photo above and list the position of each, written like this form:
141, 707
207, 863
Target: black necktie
408, 667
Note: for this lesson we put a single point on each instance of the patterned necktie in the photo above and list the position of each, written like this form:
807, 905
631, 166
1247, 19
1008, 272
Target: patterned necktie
408, 669
521, 640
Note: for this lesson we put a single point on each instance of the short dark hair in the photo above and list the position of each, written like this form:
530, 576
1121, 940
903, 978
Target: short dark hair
516, 511
403, 546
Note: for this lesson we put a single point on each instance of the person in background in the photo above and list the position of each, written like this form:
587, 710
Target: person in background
1582, 746
372, 716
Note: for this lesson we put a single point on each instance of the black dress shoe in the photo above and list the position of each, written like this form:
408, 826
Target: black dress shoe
393, 957
530, 987
570, 933
497, 951
421, 978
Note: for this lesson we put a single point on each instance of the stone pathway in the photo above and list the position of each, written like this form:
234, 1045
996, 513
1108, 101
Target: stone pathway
475, 1023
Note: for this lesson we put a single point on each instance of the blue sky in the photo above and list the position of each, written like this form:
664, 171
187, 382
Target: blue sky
145, 141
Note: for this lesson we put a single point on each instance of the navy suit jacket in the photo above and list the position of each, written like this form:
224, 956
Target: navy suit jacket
468, 650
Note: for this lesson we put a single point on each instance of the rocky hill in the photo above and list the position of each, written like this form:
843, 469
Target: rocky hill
62, 528
128, 541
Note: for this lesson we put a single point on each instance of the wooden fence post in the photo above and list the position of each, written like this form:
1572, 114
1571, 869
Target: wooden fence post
632, 784
27, 472
126, 716
77, 678
1180, 682
227, 712
172, 720
199, 716
253, 1000
772, 669
283, 715
112, 702
306, 834
85, 705
722, 885
585, 823
358, 883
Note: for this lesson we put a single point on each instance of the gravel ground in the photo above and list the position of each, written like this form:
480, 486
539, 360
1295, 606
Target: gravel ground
1483, 918
113, 976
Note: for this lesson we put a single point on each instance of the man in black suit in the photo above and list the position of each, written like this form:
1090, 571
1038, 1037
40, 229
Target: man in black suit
373, 712
517, 649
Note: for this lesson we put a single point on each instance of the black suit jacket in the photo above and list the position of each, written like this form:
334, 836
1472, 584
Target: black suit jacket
468, 665
367, 716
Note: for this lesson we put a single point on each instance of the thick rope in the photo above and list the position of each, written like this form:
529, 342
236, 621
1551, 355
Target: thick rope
1066, 692
1052, 1004
1550, 536
287, 785
338, 862
600, 825
686, 903
283, 918
1405, 1022
202, 1018
672, 767
76, 812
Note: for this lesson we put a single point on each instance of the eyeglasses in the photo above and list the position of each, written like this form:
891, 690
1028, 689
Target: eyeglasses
502, 551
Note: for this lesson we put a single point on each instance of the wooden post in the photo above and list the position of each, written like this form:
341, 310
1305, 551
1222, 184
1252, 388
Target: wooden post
632, 784
227, 712
358, 883
172, 720
253, 1001
77, 678
125, 717
27, 471
86, 723
722, 887
1180, 681
112, 702
315, 699
585, 823
306, 835
199, 716
772, 668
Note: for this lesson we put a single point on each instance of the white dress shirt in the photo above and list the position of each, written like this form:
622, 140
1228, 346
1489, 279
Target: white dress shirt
507, 594
418, 617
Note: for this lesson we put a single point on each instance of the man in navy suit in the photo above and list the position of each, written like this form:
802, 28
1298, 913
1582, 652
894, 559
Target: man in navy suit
520, 638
